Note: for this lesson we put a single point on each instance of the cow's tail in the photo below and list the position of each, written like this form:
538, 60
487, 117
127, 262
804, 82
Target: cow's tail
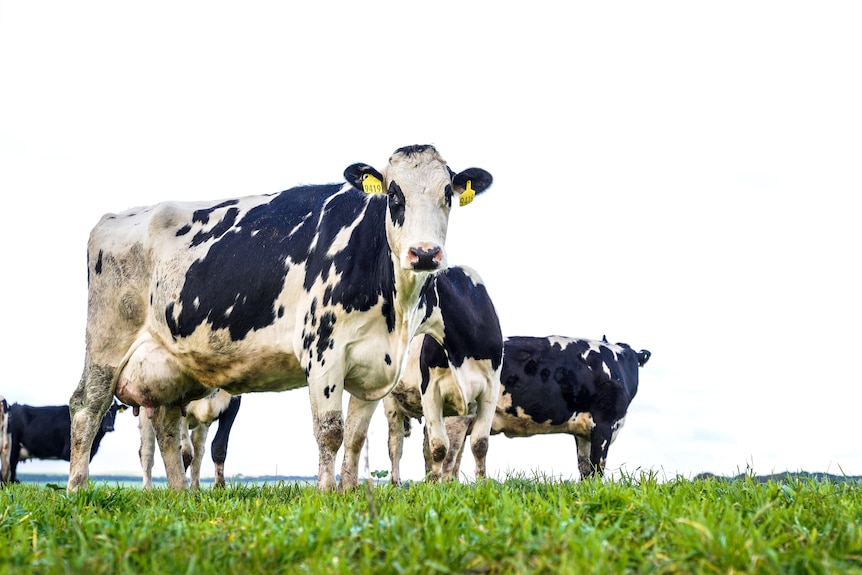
643, 357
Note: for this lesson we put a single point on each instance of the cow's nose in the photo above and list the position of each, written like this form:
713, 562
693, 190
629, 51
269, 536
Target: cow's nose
423, 259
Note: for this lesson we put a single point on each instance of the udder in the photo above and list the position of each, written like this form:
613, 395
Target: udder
152, 378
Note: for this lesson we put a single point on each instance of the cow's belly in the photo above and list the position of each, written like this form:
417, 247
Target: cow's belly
522, 425
155, 376
206, 410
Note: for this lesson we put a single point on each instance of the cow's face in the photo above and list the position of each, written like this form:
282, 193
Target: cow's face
419, 188
110, 416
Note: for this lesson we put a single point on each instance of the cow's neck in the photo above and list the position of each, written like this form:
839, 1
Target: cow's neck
408, 289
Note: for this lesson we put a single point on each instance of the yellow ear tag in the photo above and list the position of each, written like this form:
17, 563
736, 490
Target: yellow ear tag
371, 185
467, 195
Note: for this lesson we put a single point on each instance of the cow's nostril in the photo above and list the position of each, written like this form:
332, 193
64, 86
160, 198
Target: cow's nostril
423, 259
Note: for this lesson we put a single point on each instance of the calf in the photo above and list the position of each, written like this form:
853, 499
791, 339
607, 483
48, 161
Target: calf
459, 376
200, 415
44, 433
560, 385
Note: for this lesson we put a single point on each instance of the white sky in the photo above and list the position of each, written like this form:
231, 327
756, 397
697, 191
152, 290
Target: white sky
682, 177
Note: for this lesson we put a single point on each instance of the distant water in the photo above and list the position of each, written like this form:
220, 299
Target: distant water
136, 481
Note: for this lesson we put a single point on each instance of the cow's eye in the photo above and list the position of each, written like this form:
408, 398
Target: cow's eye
396, 204
396, 196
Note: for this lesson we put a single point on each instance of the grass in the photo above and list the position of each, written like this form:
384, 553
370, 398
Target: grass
520, 525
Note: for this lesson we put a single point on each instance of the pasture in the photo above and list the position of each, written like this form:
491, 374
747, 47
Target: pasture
517, 525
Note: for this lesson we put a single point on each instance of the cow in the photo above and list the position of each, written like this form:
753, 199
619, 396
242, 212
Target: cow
314, 286
44, 433
459, 377
4, 439
557, 384
200, 415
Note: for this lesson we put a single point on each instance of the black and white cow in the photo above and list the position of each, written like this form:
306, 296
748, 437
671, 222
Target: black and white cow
200, 414
4, 440
459, 377
44, 433
557, 384
316, 286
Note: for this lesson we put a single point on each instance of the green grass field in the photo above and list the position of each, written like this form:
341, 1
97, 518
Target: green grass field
520, 525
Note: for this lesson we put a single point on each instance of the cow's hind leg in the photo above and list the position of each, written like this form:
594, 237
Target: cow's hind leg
480, 432
398, 423
199, 440
359, 414
187, 445
220, 441
457, 429
147, 452
584, 445
87, 406
167, 423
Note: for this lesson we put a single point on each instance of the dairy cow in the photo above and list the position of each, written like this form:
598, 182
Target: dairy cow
556, 384
316, 286
4, 440
459, 377
44, 433
219, 406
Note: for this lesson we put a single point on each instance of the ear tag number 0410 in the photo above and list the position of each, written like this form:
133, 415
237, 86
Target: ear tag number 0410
371, 185
467, 195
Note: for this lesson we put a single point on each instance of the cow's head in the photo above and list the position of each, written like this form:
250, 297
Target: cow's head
419, 187
110, 416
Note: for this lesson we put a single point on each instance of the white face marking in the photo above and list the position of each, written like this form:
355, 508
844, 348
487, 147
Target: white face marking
422, 178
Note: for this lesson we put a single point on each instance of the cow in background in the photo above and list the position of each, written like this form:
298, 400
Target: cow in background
200, 414
44, 433
313, 286
556, 384
4, 440
457, 373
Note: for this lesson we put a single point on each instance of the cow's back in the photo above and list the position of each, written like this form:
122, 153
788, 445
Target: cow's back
218, 294
40, 432
547, 381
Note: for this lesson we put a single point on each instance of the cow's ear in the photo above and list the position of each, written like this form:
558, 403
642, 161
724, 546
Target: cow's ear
479, 179
357, 174
643, 357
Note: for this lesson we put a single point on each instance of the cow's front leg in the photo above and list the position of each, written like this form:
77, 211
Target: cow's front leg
359, 414
167, 423
437, 442
326, 413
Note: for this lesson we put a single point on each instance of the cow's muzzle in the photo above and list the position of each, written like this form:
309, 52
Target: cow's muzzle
422, 259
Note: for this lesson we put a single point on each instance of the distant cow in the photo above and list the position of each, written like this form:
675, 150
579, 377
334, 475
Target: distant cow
560, 385
316, 286
4, 440
200, 415
44, 433
459, 377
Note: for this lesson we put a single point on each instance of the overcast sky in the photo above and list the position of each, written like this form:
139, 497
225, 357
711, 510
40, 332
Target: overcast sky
678, 176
